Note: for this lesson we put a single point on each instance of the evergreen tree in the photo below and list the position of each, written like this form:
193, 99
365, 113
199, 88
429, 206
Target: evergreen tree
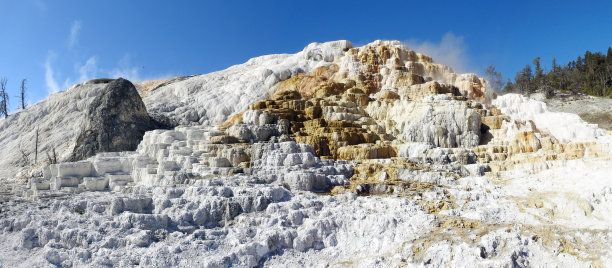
555, 67
509, 86
589, 74
539, 73
523, 80
552, 77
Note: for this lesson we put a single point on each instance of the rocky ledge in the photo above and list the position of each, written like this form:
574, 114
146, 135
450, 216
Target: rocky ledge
347, 156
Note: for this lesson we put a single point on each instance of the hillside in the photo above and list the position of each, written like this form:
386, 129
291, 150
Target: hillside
595, 110
334, 156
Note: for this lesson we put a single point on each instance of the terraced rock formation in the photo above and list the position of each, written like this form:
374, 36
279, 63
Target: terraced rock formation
336, 156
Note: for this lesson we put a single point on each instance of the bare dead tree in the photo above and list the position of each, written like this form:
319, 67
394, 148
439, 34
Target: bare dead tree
52, 158
23, 90
3, 98
25, 157
36, 148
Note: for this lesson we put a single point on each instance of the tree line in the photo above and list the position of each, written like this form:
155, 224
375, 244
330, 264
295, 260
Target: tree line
591, 74
4, 97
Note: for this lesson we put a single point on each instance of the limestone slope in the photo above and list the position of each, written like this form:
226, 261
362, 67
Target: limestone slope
334, 156
58, 120
595, 110
211, 98
202, 99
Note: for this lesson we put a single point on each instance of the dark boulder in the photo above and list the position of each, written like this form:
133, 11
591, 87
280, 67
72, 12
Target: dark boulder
116, 121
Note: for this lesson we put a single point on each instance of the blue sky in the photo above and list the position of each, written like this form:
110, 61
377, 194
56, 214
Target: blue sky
55, 44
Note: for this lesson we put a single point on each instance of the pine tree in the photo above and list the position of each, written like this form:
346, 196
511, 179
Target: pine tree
523, 80
538, 77
555, 66
590, 73
509, 86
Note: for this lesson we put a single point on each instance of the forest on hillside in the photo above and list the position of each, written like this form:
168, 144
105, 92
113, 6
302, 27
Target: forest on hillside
591, 74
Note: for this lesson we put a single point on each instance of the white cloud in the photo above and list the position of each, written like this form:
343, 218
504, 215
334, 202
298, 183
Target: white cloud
130, 73
74, 33
451, 51
52, 85
40, 4
67, 83
125, 69
89, 70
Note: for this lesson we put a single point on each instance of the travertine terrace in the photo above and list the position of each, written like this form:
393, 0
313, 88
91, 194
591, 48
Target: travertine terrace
333, 156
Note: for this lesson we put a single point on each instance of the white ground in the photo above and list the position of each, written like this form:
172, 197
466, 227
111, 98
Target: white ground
553, 214
522, 223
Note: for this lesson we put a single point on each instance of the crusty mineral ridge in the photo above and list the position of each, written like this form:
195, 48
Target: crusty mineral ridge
382, 100
528, 136
335, 156
389, 65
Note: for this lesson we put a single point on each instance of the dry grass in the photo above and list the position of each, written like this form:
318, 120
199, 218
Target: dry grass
144, 88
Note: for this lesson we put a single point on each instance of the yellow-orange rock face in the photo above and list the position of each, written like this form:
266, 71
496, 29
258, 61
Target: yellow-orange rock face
373, 99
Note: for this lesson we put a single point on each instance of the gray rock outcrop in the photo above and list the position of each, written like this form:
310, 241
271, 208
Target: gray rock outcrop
116, 121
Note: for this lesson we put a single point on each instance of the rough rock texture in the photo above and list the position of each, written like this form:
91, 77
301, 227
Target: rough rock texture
528, 135
364, 157
389, 65
192, 100
437, 120
116, 121
564, 126
58, 120
212, 98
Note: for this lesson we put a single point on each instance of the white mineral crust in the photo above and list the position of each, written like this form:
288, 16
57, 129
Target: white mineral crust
181, 201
